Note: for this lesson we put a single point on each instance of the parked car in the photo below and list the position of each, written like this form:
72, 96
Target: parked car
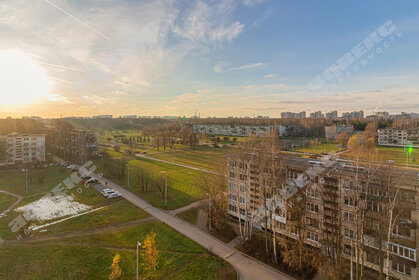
74, 167
86, 177
106, 192
92, 181
114, 195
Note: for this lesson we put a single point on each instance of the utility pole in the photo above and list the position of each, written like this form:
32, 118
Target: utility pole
138, 244
165, 192
128, 173
26, 185
209, 211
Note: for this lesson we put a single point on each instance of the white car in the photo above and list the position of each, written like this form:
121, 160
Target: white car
106, 192
114, 195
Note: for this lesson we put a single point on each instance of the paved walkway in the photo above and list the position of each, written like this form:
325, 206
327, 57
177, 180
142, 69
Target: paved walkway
247, 268
187, 207
19, 199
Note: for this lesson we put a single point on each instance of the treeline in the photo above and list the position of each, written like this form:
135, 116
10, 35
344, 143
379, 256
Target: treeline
169, 134
8, 126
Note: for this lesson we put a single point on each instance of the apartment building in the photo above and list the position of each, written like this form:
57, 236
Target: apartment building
332, 132
325, 190
398, 137
353, 115
237, 130
77, 145
291, 115
332, 114
317, 115
17, 149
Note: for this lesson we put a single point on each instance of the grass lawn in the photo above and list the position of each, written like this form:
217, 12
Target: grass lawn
179, 257
5, 201
182, 189
14, 182
114, 211
201, 156
398, 154
320, 149
191, 215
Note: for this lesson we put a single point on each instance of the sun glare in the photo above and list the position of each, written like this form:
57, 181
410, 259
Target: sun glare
22, 81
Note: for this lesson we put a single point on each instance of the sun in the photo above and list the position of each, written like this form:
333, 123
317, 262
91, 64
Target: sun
22, 80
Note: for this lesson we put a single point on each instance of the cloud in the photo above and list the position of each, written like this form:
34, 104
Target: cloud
248, 66
209, 23
266, 15
251, 3
219, 68
268, 76
187, 98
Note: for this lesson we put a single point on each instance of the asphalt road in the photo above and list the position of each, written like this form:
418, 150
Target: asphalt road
247, 268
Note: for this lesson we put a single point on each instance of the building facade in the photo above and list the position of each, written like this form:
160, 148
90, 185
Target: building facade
398, 137
237, 130
330, 204
20, 149
332, 132
76, 145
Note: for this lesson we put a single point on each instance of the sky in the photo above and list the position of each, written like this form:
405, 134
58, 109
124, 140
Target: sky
207, 57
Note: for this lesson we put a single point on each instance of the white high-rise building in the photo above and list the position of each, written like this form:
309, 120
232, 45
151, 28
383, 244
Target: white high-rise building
23, 148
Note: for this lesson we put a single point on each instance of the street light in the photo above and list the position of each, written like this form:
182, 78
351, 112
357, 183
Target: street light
138, 245
165, 189
128, 173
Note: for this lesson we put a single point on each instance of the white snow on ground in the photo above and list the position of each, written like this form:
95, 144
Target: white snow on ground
53, 207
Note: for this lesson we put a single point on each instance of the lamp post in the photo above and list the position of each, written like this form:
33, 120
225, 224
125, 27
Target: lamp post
138, 245
26, 180
128, 173
165, 189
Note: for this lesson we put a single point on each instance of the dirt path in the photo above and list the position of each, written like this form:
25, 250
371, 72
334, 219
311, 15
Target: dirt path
19, 199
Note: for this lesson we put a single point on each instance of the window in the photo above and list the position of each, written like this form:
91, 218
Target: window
242, 177
232, 208
242, 189
242, 200
347, 249
349, 217
232, 197
280, 225
403, 251
312, 236
401, 267
373, 206
232, 175
312, 207
242, 211
401, 231
280, 212
349, 201
349, 233
312, 222
232, 187
373, 224
312, 192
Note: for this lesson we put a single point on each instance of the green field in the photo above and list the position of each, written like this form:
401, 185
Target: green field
15, 182
98, 236
5, 201
201, 156
91, 257
326, 148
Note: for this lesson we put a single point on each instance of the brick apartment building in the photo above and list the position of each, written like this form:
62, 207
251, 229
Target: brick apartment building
74, 145
329, 210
